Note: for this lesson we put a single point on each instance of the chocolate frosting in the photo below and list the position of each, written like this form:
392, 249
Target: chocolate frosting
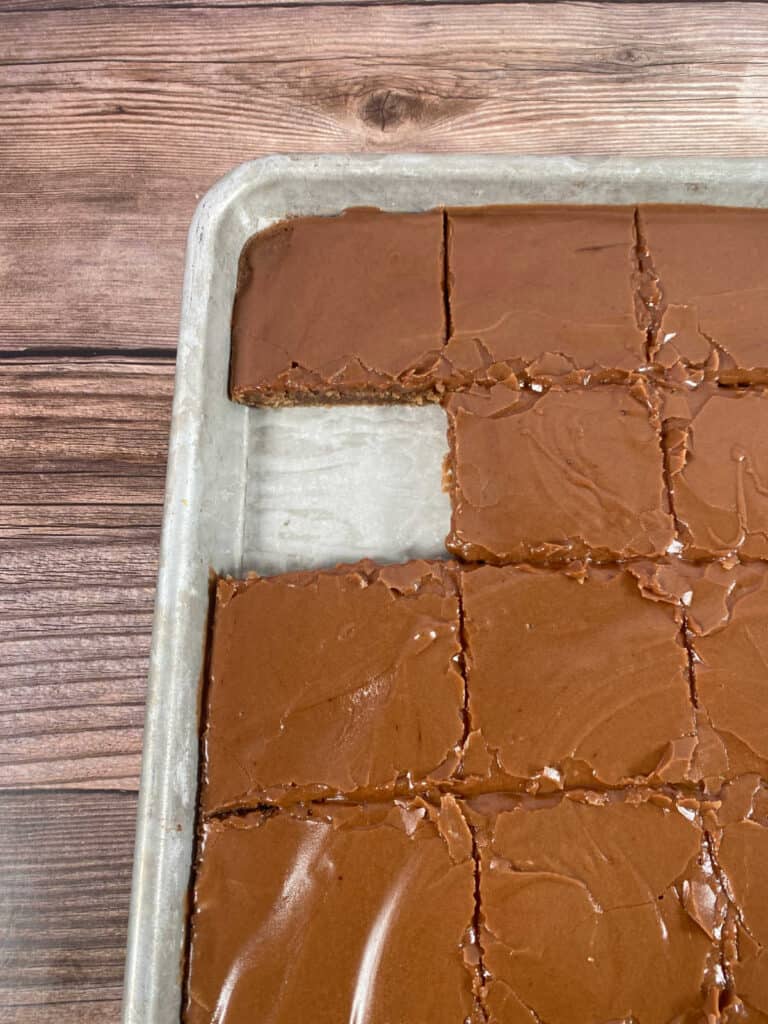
712, 313
589, 743
717, 440
332, 682
351, 914
599, 909
498, 909
576, 678
739, 837
556, 475
728, 627
333, 306
549, 291
368, 305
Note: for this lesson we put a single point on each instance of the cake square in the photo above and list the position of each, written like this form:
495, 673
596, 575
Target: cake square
727, 623
740, 838
350, 914
576, 679
717, 450
547, 291
334, 308
599, 908
342, 681
556, 475
712, 295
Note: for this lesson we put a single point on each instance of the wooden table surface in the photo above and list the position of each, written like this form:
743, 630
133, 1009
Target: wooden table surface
115, 118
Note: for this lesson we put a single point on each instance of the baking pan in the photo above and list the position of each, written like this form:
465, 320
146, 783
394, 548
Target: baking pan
277, 489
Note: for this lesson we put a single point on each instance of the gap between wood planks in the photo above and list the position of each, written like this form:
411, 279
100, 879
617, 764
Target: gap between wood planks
34, 353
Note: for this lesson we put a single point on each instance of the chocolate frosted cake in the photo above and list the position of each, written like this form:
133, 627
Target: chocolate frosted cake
528, 785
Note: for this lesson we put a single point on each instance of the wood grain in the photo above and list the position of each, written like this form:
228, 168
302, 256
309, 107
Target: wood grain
65, 868
82, 472
146, 107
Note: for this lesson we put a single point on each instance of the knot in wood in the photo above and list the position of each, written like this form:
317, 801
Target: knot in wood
632, 55
386, 109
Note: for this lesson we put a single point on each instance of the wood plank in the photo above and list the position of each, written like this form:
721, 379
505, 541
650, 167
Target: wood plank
94, 1011
138, 136
594, 35
38, 6
82, 475
95, 416
74, 642
65, 871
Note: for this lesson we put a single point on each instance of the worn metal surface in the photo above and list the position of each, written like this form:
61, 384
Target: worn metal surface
275, 489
